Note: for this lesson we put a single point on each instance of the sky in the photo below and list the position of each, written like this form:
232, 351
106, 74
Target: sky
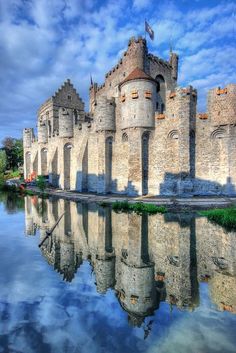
44, 42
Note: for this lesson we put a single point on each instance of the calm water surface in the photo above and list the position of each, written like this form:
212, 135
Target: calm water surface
107, 282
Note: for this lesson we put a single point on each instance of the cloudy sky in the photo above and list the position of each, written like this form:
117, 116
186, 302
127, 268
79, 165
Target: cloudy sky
44, 42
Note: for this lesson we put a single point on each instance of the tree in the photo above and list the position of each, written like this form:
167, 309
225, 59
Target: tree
3, 161
41, 183
14, 152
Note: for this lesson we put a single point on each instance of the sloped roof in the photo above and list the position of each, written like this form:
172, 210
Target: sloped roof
137, 74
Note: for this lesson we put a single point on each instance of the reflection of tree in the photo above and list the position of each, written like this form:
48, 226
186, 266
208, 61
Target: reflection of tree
41, 208
12, 201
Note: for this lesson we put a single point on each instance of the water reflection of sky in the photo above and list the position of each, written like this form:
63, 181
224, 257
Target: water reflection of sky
41, 313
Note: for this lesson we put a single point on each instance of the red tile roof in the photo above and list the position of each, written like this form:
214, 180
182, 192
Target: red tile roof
137, 74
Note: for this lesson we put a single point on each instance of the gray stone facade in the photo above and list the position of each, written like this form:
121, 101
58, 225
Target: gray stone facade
142, 134
145, 259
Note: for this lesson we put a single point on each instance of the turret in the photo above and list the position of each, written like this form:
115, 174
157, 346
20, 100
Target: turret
138, 100
67, 261
174, 61
221, 105
137, 289
92, 96
65, 122
104, 268
28, 135
104, 114
42, 132
136, 52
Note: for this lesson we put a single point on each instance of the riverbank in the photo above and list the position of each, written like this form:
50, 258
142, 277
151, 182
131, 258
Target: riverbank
171, 203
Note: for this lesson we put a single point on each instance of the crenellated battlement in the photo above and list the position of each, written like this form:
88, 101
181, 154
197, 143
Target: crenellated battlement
221, 105
142, 134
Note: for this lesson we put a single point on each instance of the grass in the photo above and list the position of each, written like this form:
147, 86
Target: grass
225, 217
103, 204
138, 207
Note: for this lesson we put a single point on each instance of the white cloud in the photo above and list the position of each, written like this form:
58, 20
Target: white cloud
141, 4
45, 42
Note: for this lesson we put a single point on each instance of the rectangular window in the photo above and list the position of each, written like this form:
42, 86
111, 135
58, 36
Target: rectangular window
122, 98
134, 94
148, 94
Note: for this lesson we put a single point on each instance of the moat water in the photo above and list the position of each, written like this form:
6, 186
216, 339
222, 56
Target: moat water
108, 282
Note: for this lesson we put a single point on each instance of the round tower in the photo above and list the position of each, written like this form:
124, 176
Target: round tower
104, 269
67, 261
27, 137
137, 289
104, 114
138, 98
65, 122
42, 132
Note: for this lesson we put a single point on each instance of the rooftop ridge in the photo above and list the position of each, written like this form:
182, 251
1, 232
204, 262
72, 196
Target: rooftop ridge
137, 74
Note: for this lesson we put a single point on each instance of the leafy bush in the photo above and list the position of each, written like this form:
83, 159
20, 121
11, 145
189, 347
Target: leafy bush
41, 183
3, 161
2, 182
225, 217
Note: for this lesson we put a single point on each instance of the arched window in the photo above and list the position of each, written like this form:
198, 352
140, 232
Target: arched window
44, 161
173, 134
219, 133
125, 137
67, 166
76, 116
49, 128
27, 164
145, 162
161, 93
108, 163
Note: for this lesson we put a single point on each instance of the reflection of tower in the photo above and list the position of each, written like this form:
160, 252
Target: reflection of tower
223, 291
216, 263
104, 263
136, 291
183, 290
174, 250
30, 228
67, 260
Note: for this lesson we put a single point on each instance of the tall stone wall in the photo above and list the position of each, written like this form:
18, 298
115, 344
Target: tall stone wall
215, 144
141, 136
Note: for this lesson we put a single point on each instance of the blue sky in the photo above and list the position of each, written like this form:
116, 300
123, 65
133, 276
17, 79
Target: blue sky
44, 42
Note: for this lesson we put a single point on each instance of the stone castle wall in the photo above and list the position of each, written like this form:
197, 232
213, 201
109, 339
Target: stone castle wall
145, 259
141, 136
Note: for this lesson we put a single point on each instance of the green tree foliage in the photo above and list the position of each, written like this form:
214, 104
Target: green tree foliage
41, 183
14, 152
3, 161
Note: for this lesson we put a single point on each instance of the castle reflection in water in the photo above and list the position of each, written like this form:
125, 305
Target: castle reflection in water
145, 259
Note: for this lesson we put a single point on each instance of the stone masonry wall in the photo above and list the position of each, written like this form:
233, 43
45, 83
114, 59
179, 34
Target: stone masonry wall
185, 153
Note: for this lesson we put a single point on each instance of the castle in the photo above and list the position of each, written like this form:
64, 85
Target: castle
142, 134
144, 259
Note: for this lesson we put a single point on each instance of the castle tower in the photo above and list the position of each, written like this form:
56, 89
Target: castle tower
138, 100
28, 136
104, 114
66, 122
136, 53
138, 97
42, 132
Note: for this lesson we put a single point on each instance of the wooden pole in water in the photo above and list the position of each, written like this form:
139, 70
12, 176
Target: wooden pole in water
49, 232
